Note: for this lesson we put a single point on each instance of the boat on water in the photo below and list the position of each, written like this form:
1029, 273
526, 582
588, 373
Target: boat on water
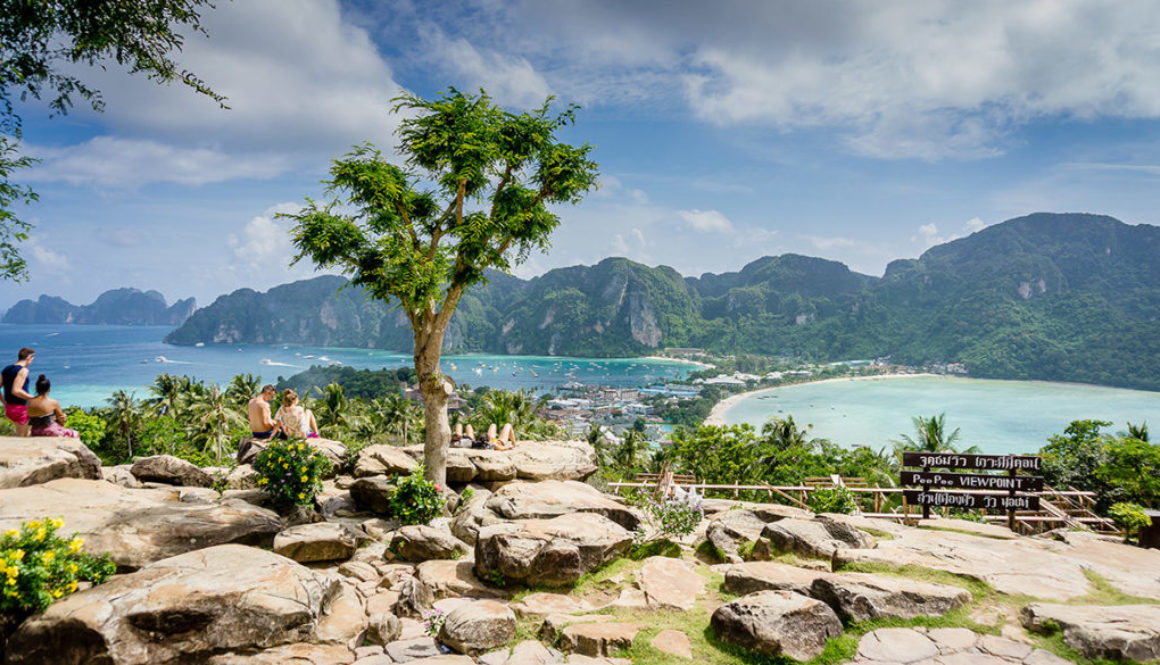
324, 358
199, 344
335, 363
308, 356
478, 371
265, 361
161, 359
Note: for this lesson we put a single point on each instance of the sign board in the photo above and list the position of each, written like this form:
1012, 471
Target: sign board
971, 500
974, 481
969, 461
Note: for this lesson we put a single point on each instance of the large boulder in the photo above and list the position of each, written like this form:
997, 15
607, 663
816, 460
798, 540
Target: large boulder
745, 578
861, 596
419, 542
553, 498
731, 528
598, 639
170, 470
554, 460
477, 627
472, 515
181, 610
451, 579
324, 541
777, 623
818, 538
1120, 632
382, 460
552, 552
137, 527
291, 654
33, 460
372, 493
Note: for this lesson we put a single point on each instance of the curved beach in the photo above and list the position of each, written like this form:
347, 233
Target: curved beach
717, 414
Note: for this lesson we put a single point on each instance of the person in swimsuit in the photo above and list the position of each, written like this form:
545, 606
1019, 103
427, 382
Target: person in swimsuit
16, 395
505, 440
262, 426
294, 421
461, 438
44, 415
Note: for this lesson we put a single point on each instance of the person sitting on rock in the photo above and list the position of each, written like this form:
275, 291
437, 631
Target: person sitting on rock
294, 421
262, 426
505, 440
45, 417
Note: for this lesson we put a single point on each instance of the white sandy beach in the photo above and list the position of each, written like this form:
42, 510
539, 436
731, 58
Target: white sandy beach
717, 415
680, 360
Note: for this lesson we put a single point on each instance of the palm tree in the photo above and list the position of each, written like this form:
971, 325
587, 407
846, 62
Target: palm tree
331, 412
242, 389
931, 436
784, 433
1138, 432
125, 416
213, 416
169, 392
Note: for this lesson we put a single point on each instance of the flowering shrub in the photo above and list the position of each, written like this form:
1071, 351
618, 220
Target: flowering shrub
37, 567
416, 500
832, 500
291, 472
676, 515
433, 622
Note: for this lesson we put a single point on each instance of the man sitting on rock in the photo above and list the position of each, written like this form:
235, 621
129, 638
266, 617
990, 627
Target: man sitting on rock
16, 395
262, 426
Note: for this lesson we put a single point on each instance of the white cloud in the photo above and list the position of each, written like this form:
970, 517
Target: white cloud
974, 224
510, 80
828, 243
706, 221
265, 240
45, 259
117, 162
929, 236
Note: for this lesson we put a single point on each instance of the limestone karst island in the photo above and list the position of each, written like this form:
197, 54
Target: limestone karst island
496, 332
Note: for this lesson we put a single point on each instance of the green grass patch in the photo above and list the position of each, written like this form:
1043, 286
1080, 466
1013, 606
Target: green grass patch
709, 553
662, 547
979, 590
1050, 637
877, 533
968, 532
745, 550
1103, 593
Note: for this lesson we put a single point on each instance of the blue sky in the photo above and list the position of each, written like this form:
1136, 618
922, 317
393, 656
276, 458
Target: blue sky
857, 131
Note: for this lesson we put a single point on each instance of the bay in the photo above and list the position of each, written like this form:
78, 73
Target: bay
1000, 417
87, 363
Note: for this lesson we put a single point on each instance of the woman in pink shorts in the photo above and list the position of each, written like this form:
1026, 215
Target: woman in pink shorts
44, 414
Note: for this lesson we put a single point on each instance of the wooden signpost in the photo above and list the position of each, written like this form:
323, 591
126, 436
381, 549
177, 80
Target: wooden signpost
990, 498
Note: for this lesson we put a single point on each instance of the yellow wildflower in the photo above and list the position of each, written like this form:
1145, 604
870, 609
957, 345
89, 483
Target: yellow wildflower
57, 593
302, 495
75, 545
304, 479
285, 466
72, 586
12, 533
71, 569
34, 525
41, 533
58, 522
48, 557
17, 555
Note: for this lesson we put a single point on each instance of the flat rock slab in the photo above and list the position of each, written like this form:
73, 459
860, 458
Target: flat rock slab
553, 498
229, 598
729, 529
542, 604
946, 646
531, 460
598, 639
1133, 570
552, 552
32, 460
383, 460
670, 584
1121, 632
745, 578
293, 654
137, 527
449, 579
1026, 566
325, 541
673, 642
861, 596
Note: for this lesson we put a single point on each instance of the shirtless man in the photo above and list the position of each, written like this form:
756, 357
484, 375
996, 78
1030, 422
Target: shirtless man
262, 426
15, 381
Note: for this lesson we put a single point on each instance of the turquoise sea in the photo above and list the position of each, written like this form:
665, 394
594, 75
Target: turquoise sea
88, 363
998, 416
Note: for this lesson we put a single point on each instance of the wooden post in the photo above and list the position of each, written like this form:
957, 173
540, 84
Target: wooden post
1011, 511
926, 507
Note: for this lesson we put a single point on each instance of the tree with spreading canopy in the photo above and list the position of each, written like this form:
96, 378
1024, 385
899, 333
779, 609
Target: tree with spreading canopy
475, 194
40, 39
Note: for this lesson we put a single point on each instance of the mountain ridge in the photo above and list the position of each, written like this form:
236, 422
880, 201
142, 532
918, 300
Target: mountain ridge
124, 306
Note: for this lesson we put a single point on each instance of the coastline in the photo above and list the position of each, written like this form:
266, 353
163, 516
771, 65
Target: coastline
717, 414
679, 360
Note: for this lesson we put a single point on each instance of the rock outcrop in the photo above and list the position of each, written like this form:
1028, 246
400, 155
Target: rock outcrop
818, 538
325, 541
777, 623
185, 609
171, 471
861, 597
553, 498
137, 527
550, 552
1122, 632
477, 627
28, 461
421, 542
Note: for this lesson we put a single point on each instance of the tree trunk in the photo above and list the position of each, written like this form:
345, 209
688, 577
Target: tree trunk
435, 389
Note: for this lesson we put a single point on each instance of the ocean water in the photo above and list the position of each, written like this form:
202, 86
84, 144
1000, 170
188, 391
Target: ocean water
88, 363
1000, 417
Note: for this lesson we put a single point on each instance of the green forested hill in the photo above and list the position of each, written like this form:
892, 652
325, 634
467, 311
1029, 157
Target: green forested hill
1057, 297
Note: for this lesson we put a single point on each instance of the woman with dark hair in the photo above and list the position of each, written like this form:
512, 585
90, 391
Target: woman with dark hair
44, 414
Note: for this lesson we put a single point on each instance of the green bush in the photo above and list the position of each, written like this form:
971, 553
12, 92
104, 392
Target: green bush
291, 472
1130, 517
90, 428
416, 500
832, 500
37, 567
